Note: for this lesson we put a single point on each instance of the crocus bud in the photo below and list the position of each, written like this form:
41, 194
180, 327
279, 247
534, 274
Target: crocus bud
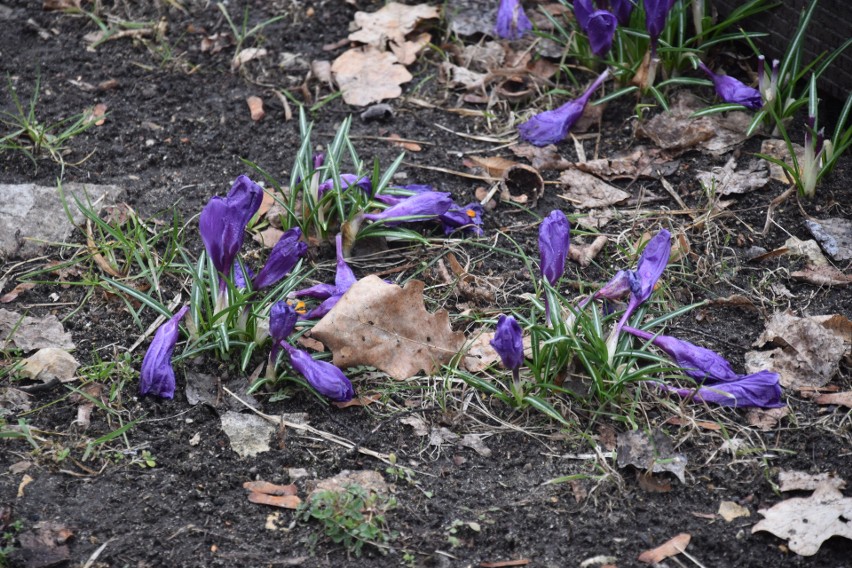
761, 389
157, 377
223, 222
283, 257
622, 10
282, 321
552, 126
512, 21
324, 377
656, 13
554, 238
601, 29
703, 365
508, 342
734, 91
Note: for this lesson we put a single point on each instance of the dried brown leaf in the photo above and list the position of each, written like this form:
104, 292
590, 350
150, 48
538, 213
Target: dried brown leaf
366, 478
270, 488
13, 294
668, 549
838, 398
388, 327
803, 481
766, 418
363, 400
808, 522
641, 162
728, 180
588, 192
542, 158
653, 452
282, 501
480, 355
493, 166
729, 511
368, 76
822, 276
391, 23
778, 149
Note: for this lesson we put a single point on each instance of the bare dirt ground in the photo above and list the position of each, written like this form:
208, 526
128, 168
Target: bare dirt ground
176, 130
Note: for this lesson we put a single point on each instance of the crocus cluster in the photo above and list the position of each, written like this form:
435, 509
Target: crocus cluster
733, 90
552, 126
512, 21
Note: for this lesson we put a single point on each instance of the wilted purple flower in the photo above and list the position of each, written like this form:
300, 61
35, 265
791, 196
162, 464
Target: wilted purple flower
344, 278
157, 377
223, 221
509, 344
425, 205
761, 389
656, 12
512, 21
554, 238
284, 256
552, 126
346, 181
731, 90
467, 218
701, 364
324, 377
622, 10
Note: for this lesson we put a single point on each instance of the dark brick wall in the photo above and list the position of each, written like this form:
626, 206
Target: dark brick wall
830, 26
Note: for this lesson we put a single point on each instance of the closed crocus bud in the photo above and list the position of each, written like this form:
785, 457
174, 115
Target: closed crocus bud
761, 389
223, 222
554, 238
282, 321
157, 376
656, 13
508, 342
601, 29
731, 90
703, 365
418, 207
622, 10
552, 126
283, 257
512, 21
324, 377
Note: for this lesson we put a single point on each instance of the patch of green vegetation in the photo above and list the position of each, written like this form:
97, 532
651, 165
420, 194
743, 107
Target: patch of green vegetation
352, 517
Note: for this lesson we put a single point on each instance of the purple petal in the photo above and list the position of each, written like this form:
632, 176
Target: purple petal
651, 265
582, 12
731, 90
318, 291
700, 363
552, 126
240, 276
282, 321
512, 21
344, 278
616, 288
324, 377
761, 389
426, 205
601, 29
346, 181
656, 12
284, 256
508, 342
157, 377
467, 218
554, 238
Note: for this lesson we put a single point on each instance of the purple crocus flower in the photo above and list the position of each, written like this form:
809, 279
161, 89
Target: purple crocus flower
324, 377
622, 10
223, 221
157, 377
425, 205
467, 218
656, 12
241, 278
509, 344
601, 29
554, 238
284, 256
731, 90
703, 365
512, 21
552, 126
761, 389
344, 278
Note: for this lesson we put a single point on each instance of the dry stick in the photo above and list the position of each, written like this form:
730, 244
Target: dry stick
453, 172
774, 204
340, 441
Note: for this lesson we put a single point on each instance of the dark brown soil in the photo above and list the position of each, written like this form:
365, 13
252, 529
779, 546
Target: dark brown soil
176, 130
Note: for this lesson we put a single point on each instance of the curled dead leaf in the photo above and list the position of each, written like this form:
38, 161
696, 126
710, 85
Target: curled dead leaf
368, 76
668, 549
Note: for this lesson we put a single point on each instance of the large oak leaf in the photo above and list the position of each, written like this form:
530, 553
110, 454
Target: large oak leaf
388, 327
